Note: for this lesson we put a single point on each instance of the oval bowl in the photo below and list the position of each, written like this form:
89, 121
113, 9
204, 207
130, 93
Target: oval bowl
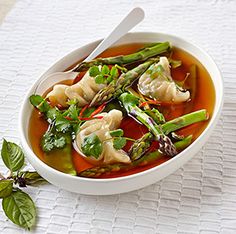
135, 181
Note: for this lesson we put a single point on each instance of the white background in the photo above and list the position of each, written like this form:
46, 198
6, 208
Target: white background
198, 198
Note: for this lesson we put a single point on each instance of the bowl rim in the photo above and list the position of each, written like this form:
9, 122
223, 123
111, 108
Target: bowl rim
213, 120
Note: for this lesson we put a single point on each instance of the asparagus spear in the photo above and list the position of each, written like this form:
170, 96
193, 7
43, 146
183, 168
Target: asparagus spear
126, 79
148, 158
157, 116
141, 55
140, 146
184, 121
130, 104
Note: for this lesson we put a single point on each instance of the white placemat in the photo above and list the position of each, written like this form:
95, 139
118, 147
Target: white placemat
198, 198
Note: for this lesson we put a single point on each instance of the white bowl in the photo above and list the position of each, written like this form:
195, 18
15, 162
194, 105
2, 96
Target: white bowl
135, 181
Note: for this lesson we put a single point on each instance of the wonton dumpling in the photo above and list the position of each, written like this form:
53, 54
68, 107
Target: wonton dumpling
57, 95
161, 86
102, 128
85, 90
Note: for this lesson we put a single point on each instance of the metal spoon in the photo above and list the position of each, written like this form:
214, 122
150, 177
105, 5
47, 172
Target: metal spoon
132, 19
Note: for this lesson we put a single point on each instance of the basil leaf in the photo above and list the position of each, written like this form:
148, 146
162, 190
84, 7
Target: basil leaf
94, 71
39, 102
119, 143
92, 146
5, 187
12, 155
117, 133
20, 209
30, 177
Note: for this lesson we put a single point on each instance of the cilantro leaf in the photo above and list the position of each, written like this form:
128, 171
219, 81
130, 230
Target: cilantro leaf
114, 72
99, 79
52, 141
105, 70
94, 71
73, 112
92, 146
52, 114
119, 142
62, 124
117, 133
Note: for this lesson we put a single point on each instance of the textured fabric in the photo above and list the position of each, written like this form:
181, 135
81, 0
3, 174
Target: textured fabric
198, 198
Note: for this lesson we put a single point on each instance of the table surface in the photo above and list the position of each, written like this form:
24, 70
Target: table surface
198, 198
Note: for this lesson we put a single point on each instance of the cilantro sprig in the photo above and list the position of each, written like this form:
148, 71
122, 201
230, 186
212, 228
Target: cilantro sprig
92, 146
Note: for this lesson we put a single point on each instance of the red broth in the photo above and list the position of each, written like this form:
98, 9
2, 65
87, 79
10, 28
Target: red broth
204, 99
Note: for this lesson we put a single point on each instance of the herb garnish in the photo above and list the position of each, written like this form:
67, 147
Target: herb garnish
92, 146
16, 204
105, 75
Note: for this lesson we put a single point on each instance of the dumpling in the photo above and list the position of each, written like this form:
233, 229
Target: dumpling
83, 91
102, 128
57, 95
158, 84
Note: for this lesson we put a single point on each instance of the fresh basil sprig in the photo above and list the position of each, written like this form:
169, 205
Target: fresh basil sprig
17, 205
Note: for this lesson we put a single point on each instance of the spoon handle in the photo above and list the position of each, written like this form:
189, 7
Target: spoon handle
132, 19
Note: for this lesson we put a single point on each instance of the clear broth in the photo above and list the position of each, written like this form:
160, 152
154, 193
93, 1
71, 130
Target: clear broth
204, 99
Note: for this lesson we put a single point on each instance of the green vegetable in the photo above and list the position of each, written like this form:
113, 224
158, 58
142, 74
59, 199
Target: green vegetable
119, 142
185, 120
39, 102
6, 186
12, 155
140, 146
92, 146
20, 209
130, 102
117, 133
141, 55
157, 116
175, 63
61, 159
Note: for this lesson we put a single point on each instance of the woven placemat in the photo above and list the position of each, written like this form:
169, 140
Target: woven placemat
198, 198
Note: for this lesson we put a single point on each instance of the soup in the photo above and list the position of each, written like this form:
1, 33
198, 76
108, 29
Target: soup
190, 76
